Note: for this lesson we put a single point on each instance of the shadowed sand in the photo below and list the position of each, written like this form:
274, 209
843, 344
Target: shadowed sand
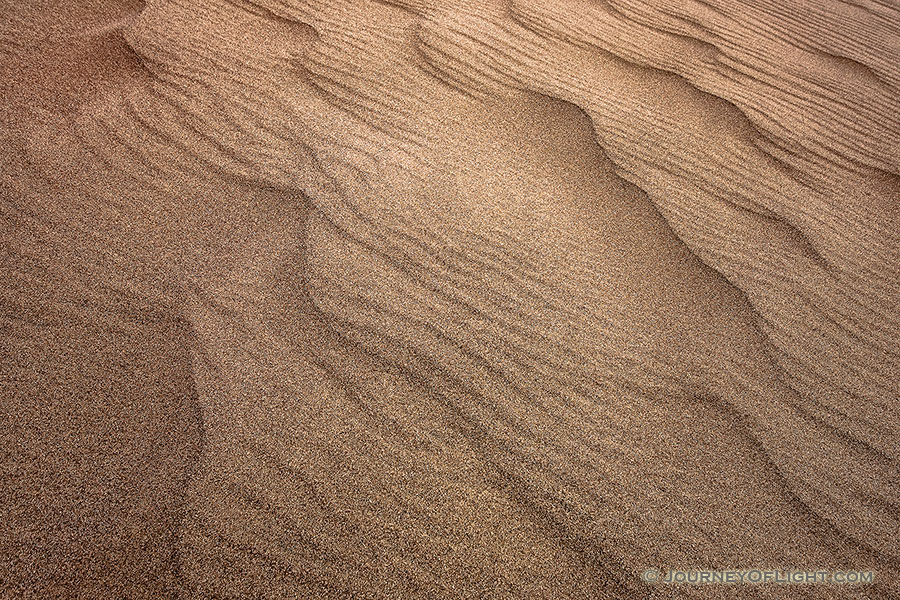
497, 299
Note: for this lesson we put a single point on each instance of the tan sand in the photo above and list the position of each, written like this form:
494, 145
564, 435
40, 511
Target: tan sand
472, 299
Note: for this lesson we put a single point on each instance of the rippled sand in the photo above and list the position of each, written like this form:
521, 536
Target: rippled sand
471, 299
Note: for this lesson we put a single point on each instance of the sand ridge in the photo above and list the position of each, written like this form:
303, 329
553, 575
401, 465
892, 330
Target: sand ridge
347, 298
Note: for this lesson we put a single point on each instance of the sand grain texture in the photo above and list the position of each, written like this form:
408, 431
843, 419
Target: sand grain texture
410, 299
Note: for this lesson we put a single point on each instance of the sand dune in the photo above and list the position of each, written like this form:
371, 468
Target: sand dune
411, 299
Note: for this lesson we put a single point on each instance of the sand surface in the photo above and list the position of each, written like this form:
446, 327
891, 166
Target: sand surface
470, 299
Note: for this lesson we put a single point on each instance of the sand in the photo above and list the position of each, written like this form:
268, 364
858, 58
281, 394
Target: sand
473, 299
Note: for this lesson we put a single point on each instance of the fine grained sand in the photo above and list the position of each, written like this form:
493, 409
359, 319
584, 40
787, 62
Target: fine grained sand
471, 299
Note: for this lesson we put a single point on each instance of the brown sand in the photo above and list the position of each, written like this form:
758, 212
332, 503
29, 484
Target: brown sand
472, 299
